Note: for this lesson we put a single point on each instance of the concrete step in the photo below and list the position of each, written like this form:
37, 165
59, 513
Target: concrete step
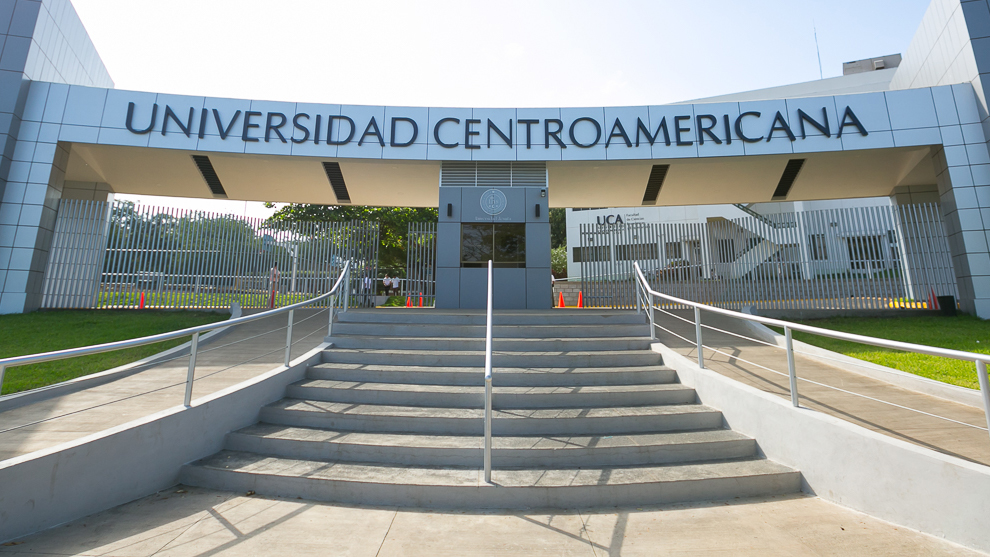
550, 344
498, 331
450, 450
464, 487
503, 376
430, 317
468, 421
501, 358
458, 396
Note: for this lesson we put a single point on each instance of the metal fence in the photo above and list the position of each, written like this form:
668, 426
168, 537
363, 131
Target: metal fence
421, 257
122, 255
852, 258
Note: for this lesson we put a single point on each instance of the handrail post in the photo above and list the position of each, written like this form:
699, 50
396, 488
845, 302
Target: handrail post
347, 290
697, 336
288, 338
639, 296
488, 382
2, 369
333, 306
791, 371
192, 369
488, 429
981, 373
653, 323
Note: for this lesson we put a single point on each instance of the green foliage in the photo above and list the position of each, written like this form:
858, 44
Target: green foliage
393, 225
963, 332
558, 262
395, 301
45, 331
558, 229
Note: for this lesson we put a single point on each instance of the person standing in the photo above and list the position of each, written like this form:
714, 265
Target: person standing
274, 279
395, 285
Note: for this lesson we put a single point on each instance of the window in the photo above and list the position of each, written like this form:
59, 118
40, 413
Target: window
866, 252
503, 244
726, 250
633, 252
590, 254
818, 250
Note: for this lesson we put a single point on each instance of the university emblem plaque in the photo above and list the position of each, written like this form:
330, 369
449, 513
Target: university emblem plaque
493, 202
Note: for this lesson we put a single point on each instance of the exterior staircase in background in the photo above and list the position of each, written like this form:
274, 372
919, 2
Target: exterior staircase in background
585, 415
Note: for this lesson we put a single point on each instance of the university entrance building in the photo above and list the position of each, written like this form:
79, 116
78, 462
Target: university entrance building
907, 128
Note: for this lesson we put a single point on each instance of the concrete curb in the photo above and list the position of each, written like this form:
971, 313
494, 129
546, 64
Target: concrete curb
23, 398
100, 471
850, 465
909, 381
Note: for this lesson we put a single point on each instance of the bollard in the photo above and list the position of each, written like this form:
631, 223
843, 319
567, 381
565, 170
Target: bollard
420, 299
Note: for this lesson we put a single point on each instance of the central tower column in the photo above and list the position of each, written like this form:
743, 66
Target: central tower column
497, 211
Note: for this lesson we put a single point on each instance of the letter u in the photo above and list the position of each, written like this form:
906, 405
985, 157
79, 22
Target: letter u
130, 119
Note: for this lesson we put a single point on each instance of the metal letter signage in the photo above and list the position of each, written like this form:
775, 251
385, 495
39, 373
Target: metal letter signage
493, 202
583, 131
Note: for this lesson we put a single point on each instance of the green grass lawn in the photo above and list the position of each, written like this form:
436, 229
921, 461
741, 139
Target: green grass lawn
963, 332
45, 331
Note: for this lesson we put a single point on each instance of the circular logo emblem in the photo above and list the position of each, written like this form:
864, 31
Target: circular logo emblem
493, 202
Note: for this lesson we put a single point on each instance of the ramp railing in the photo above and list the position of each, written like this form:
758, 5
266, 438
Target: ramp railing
647, 299
194, 332
488, 382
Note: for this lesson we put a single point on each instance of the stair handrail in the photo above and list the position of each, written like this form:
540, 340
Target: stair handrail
980, 360
344, 278
488, 382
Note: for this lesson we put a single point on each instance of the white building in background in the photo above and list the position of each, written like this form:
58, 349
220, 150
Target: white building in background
855, 245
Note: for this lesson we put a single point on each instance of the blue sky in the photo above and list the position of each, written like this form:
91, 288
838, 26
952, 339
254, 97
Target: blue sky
507, 53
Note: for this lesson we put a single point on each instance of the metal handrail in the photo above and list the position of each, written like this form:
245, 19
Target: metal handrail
194, 331
980, 360
488, 382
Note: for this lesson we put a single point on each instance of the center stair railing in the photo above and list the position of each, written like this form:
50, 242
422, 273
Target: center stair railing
488, 382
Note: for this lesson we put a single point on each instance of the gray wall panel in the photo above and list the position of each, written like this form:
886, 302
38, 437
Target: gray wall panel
448, 291
539, 288
449, 244
474, 288
453, 197
510, 289
537, 244
533, 199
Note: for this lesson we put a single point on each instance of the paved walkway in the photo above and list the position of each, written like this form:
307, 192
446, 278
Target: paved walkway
75, 415
947, 437
188, 521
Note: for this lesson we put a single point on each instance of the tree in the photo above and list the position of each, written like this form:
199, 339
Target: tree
558, 228
393, 225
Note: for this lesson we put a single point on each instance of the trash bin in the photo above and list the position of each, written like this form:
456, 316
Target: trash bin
947, 305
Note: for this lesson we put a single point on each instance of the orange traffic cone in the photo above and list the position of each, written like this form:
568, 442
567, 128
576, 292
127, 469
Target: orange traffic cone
420, 299
560, 304
409, 301
141, 303
580, 299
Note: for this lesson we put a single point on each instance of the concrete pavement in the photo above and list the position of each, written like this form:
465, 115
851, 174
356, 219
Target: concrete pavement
189, 521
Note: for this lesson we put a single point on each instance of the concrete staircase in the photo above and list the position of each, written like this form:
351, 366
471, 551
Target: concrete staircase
584, 415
